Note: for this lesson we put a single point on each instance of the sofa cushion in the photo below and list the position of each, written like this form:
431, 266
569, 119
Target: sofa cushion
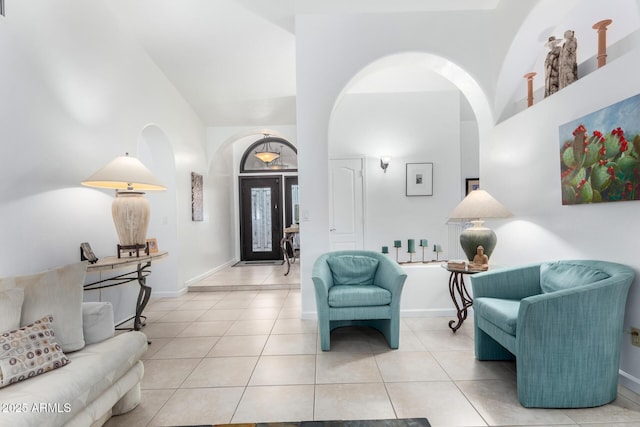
556, 276
97, 321
57, 292
29, 351
358, 296
352, 269
10, 308
503, 313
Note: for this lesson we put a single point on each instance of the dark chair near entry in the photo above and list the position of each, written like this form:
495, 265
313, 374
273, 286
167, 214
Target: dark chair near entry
563, 323
361, 288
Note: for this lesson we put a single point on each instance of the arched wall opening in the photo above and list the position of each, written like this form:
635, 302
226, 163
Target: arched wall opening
227, 147
155, 152
417, 108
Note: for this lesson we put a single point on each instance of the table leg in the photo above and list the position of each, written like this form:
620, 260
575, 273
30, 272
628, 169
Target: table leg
283, 246
458, 291
143, 298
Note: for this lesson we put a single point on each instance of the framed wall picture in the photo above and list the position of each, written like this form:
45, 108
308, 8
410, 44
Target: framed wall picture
419, 179
599, 155
196, 197
472, 184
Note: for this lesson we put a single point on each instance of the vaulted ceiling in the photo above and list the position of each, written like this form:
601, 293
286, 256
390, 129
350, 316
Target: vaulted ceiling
234, 60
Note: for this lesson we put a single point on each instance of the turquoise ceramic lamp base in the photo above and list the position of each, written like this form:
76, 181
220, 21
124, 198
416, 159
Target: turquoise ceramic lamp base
478, 235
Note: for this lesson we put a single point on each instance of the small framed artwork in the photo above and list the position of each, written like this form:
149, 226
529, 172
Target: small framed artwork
196, 197
472, 184
419, 179
152, 244
86, 253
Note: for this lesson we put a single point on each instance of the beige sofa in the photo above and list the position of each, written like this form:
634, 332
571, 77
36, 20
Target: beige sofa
82, 374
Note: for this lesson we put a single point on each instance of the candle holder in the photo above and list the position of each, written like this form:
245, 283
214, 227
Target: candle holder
411, 248
397, 244
437, 249
423, 244
385, 250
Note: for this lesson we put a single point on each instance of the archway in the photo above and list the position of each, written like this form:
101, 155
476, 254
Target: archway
227, 147
421, 110
268, 197
154, 150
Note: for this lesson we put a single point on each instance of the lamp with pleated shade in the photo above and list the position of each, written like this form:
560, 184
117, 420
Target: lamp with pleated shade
475, 208
130, 209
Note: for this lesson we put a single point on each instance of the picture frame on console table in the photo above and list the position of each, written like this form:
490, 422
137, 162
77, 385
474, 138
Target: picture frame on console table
419, 179
152, 245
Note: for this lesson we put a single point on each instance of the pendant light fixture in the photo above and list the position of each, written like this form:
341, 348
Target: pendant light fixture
266, 153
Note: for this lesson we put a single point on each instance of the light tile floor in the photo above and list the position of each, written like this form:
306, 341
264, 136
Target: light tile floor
246, 356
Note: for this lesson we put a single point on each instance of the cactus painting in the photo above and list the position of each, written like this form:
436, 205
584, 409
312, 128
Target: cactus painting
600, 155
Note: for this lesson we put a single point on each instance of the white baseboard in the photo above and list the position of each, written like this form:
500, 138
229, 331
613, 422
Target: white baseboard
429, 312
167, 294
309, 315
629, 381
432, 312
209, 273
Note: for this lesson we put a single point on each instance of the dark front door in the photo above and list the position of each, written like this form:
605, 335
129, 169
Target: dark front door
260, 218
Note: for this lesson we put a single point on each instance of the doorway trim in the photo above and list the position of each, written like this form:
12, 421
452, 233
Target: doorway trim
246, 231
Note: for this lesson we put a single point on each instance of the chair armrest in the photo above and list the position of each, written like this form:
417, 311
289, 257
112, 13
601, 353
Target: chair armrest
97, 322
390, 276
585, 318
508, 283
321, 276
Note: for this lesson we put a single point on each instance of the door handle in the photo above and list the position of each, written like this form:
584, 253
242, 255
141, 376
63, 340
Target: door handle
332, 229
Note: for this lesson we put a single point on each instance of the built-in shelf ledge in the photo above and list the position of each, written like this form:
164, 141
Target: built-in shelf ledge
586, 67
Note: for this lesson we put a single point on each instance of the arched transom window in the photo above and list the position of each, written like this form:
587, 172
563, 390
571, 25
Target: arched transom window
270, 154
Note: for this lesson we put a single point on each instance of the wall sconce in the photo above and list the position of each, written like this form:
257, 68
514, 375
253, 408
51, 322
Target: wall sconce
384, 162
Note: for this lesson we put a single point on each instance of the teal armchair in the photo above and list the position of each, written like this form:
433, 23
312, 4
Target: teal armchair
562, 322
361, 288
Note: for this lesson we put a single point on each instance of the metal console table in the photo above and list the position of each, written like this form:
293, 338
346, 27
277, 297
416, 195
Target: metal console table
459, 294
141, 270
289, 235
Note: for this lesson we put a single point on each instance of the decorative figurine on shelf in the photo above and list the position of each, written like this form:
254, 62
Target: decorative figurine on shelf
480, 260
568, 60
552, 66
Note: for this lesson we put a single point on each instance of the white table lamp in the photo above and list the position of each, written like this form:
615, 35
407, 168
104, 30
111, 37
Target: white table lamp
130, 210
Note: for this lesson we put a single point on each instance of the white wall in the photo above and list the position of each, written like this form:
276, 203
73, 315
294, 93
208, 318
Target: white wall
520, 166
76, 92
328, 61
422, 127
518, 159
